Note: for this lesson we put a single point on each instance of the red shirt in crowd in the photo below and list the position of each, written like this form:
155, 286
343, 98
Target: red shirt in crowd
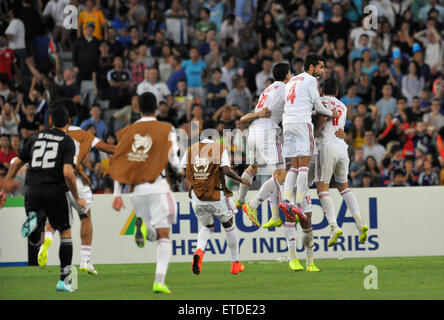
6, 158
7, 57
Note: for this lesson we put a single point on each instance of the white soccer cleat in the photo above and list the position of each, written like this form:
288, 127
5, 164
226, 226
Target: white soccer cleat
334, 235
87, 266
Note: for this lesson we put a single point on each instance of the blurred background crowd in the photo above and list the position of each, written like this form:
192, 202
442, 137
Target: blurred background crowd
212, 58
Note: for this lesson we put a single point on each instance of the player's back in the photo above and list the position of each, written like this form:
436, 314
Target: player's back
271, 98
328, 132
299, 98
47, 152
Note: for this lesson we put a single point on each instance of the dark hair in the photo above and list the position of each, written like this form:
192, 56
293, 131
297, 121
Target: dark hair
206, 10
226, 58
59, 115
209, 124
147, 103
39, 88
217, 70
395, 148
280, 71
330, 86
312, 59
398, 172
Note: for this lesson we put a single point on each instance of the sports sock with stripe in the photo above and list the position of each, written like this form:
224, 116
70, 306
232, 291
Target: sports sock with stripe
264, 192
302, 185
163, 259
203, 236
329, 209
233, 242
290, 235
65, 256
243, 188
290, 181
307, 238
352, 205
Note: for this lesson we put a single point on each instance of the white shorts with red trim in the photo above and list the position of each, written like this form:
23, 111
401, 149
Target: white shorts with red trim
223, 210
158, 210
84, 191
332, 159
299, 140
265, 148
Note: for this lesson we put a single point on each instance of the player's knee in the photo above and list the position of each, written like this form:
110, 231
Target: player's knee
228, 224
279, 175
252, 169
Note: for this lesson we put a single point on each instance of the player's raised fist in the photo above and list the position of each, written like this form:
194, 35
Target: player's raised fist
118, 203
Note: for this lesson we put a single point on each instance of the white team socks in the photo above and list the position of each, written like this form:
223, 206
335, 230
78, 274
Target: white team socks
276, 199
307, 238
85, 253
266, 189
329, 209
233, 242
290, 181
352, 205
290, 234
243, 188
203, 236
163, 259
49, 235
302, 185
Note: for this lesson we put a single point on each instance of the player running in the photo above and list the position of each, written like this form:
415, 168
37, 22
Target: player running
264, 148
84, 141
141, 158
51, 157
301, 95
206, 164
332, 159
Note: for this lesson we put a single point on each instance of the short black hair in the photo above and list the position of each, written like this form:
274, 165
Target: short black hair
147, 103
280, 71
209, 124
59, 115
330, 86
312, 59
398, 172
226, 58
206, 10
69, 105
386, 162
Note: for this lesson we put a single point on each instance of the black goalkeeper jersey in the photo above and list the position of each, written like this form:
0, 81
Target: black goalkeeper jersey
47, 152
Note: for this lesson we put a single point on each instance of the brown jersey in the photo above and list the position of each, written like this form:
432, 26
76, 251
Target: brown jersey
84, 142
141, 153
204, 171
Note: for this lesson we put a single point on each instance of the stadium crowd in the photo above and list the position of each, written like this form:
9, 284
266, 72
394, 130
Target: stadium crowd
213, 58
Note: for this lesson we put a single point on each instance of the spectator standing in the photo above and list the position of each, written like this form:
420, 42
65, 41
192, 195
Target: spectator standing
434, 117
231, 28
152, 84
428, 177
15, 32
9, 120
92, 16
29, 124
99, 124
203, 26
386, 105
227, 72
182, 101
129, 114
262, 76
412, 83
372, 148
178, 73
240, 95
176, 24
217, 92
357, 167
6, 154
194, 69
54, 9
119, 81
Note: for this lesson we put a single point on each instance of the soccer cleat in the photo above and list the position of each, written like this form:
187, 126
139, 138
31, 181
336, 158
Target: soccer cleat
140, 232
299, 212
42, 257
295, 265
312, 268
363, 233
62, 286
161, 288
334, 235
87, 266
238, 204
251, 214
237, 267
29, 225
287, 209
272, 223
196, 266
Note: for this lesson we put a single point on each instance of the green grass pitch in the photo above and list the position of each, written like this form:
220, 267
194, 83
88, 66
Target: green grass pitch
398, 278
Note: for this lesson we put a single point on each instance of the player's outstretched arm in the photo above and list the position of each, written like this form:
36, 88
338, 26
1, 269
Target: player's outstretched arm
249, 117
70, 178
105, 147
9, 180
233, 175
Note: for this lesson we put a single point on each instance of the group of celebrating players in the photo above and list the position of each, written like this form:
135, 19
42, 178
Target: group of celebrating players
55, 181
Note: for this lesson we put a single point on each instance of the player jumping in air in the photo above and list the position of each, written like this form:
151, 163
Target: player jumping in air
301, 95
141, 158
51, 157
332, 159
264, 148
84, 141
206, 164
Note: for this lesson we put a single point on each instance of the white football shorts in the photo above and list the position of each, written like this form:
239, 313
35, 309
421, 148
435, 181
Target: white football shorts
265, 148
299, 140
158, 209
332, 159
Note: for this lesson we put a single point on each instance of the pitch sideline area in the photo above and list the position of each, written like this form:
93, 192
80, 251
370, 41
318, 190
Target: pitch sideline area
397, 278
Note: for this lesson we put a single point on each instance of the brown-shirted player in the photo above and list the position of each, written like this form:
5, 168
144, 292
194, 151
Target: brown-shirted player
143, 152
83, 141
207, 163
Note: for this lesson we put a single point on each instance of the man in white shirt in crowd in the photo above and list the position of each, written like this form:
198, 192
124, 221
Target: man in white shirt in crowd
151, 84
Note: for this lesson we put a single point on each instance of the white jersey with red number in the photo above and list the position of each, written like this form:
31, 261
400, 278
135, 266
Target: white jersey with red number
301, 93
273, 99
328, 132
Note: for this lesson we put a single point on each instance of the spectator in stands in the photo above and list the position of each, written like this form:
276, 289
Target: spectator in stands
434, 118
116, 47
428, 177
356, 33
152, 84
15, 32
398, 179
227, 72
182, 101
195, 71
165, 113
351, 100
177, 74
357, 167
29, 124
412, 83
371, 166
97, 179
54, 9
372, 148
37, 96
411, 176
338, 26
119, 81
231, 28
214, 58
9, 119
176, 23
92, 17
262, 76
381, 77
240, 95
203, 26
99, 124
131, 113
15, 143
217, 92
6, 154
358, 132
386, 105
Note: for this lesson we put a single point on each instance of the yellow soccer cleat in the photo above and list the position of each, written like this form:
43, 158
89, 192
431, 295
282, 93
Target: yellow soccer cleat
272, 223
238, 204
251, 214
42, 257
363, 234
295, 265
312, 268
140, 232
161, 288
334, 235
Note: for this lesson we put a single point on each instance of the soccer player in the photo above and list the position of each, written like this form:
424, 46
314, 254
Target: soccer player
207, 163
301, 95
141, 158
332, 159
84, 141
264, 148
51, 157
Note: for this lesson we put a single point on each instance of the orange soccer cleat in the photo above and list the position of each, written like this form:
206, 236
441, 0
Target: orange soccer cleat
237, 267
196, 266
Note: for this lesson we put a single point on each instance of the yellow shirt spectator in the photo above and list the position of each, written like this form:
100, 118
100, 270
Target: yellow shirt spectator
94, 16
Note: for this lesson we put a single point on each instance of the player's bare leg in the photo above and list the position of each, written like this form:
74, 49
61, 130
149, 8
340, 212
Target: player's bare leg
329, 211
65, 256
248, 174
352, 205
307, 239
163, 259
86, 234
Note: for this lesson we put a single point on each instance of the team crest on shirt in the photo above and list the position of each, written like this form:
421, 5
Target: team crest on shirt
200, 167
140, 148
